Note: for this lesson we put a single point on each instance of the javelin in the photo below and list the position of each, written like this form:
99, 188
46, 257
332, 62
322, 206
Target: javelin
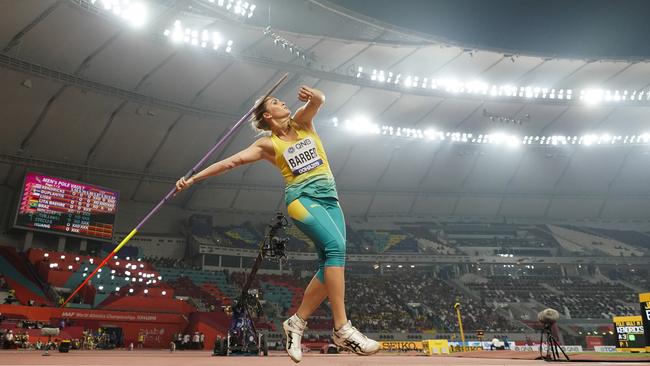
171, 193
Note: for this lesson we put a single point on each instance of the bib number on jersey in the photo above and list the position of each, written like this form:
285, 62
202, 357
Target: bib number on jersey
302, 156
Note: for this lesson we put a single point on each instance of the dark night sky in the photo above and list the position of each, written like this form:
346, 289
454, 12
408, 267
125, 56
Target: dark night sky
575, 28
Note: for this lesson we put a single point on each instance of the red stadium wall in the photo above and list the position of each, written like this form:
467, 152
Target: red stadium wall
211, 324
157, 328
155, 304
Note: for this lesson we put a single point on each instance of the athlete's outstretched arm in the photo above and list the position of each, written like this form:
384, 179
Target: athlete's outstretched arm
251, 154
314, 99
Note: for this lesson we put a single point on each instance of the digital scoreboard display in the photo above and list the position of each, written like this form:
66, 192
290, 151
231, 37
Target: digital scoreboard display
66, 207
629, 332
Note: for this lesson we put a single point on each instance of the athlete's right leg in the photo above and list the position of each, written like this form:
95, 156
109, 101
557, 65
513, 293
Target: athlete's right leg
314, 295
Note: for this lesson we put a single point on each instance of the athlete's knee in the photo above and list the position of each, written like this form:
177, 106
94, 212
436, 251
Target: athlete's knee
335, 253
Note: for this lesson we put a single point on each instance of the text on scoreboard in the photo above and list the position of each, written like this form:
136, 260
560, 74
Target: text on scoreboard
66, 207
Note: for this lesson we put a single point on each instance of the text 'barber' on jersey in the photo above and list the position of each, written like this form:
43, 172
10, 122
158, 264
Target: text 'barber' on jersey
302, 156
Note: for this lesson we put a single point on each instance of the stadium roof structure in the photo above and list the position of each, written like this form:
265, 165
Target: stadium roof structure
132, 101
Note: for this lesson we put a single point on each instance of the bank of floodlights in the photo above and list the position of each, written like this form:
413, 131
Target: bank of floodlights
200, 38
590, 96
240, 8
287, 45
361, 125
133, 12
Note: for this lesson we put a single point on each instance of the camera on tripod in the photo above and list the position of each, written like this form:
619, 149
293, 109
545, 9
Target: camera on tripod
273, 246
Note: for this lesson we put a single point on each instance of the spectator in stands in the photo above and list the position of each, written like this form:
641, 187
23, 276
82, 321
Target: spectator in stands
186, 342
141, 340
295, 149
9, 340
201, 340
195, 340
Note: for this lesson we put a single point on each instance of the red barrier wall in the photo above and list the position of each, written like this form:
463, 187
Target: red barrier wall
158, 328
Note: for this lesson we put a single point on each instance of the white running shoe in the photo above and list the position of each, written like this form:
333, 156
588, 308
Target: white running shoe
293, 329
351, 339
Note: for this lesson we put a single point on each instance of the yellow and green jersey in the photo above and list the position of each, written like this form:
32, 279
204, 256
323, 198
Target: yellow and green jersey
304, 165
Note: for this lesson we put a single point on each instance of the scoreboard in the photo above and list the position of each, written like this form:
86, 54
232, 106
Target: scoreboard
65, 207
644, 300
629, 333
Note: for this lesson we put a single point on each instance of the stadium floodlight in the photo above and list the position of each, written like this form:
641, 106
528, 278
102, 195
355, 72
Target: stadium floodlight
408, 81
133, 12
592, 96
200, 38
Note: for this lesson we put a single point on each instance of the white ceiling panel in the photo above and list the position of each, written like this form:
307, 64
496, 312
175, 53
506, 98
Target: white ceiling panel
451, 166
257, 200
578, 120
182, 77
211, 198
21, 106
132, 138
626, 208
493, 169
425, 62
627, 121
73, 123
16, 15
334, 54
365, 164
550, 73
380, 57
539, 171
508, 71
408, 166
469, 66
451, 112
57, 44
594, 74
477, 206
386, 203
574, 208
523, 207
637, 76
128, 59
368, 102
237, 88
434, 205
634, 175
190, 139
354, 203
409, 110
583, 176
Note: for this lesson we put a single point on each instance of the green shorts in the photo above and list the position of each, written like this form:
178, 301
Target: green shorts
320, 217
